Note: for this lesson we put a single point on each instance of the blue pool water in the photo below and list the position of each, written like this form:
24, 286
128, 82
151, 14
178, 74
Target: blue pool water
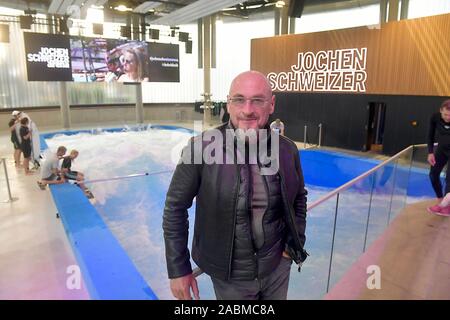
120, 238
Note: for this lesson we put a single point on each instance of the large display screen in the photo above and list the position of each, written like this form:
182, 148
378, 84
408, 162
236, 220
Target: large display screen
98, 59
164, 62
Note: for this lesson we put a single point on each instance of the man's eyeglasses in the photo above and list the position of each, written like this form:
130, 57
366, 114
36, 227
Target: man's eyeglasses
240, 101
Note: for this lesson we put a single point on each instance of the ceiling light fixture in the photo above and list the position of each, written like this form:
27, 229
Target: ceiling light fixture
122, 8
280, 4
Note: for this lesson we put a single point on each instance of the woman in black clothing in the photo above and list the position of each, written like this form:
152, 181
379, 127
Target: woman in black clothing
439, 129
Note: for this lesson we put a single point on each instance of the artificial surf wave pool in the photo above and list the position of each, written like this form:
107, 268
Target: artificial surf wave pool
118, 239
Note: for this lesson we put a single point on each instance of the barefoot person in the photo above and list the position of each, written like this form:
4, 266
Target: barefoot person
50, 172
15, 140
25, 145
69, 174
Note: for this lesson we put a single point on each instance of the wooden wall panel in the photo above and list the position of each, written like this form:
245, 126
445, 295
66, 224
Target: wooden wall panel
408, 57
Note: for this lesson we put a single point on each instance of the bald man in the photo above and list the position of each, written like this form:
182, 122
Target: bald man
249, 222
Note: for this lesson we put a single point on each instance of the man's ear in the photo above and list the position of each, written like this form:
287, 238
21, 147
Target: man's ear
272, 104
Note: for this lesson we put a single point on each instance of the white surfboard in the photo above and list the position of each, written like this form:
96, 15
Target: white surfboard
35, 143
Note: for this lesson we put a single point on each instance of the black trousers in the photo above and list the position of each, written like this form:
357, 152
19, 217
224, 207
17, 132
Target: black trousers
273, 287
442, 158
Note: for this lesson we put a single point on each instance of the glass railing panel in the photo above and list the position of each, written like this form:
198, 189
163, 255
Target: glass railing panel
380, 204
353, 208
311, 282
402, 178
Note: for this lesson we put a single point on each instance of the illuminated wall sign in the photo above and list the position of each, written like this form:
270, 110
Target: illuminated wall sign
47, 57
332, 70
54, 57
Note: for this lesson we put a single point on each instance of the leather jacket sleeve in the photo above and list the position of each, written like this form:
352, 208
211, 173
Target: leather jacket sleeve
299, 207
300, 203
182, 190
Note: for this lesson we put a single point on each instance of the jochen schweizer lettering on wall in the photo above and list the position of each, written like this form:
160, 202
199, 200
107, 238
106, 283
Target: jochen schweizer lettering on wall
331, 70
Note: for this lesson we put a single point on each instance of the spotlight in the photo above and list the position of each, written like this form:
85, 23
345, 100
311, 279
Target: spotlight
26, 22
63, 28
125, 31
189, 46
97, 28
154, 34
183, 36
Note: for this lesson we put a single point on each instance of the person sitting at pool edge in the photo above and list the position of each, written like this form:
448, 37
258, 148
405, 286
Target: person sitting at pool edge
66, 169
50, 173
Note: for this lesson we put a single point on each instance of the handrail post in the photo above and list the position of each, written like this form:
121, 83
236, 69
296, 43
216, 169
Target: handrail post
392, 193
320, 134
10, 198
374, 177
304, 136
332, 242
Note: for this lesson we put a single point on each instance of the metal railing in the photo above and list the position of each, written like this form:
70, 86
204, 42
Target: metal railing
359, 178
8, 187
396, 185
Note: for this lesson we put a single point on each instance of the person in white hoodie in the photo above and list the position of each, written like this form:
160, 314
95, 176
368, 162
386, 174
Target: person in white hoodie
35, 145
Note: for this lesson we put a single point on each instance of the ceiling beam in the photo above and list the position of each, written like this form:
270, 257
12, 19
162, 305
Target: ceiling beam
100, 2
63, 8
146, 6
54, 6
194, 11
337, 5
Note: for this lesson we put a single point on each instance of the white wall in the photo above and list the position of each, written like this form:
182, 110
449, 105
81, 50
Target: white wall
233, 51
422, 8
338, 19
191, 78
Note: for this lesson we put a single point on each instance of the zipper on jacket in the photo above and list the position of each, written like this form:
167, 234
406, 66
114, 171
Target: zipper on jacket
266, 186
249, 219
236, 198
291, 218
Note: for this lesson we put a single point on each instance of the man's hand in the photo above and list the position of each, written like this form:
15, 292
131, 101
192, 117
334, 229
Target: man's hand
431, 159
286, 255
181, 287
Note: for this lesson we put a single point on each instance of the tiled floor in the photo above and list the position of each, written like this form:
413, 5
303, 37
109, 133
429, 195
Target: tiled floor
34, 250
